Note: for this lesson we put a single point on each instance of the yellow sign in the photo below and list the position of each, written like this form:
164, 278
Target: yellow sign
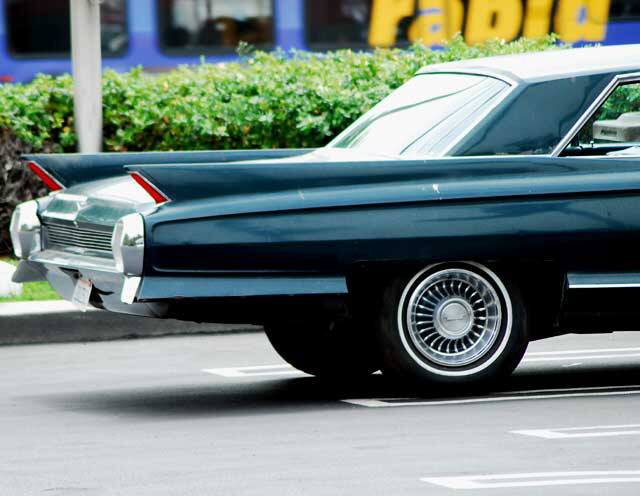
434, 21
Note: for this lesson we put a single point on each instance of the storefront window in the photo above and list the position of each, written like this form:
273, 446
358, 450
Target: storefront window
37, 28
337, 23
205, 26
622, 10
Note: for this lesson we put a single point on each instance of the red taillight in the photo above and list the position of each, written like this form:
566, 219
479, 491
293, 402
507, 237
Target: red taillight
51, 183
153, 192
6, 79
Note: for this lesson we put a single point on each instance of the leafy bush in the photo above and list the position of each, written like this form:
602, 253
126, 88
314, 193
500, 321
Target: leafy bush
17, 183
266, 100
623, 99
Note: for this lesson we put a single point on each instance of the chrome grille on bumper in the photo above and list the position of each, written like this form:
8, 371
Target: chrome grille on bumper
70, 236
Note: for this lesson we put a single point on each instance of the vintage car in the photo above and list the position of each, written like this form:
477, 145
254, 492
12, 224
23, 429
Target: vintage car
484, 204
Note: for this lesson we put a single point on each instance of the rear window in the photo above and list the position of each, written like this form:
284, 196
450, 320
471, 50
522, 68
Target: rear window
426, 116
42, 28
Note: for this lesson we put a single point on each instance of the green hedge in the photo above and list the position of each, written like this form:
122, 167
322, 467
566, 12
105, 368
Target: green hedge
624, 99
266, 100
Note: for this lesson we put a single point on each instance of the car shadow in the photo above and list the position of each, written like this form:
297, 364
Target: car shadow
278, 395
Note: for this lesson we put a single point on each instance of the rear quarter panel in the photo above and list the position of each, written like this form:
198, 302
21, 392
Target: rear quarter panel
581, 211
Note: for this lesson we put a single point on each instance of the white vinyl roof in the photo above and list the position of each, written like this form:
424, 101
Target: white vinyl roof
552, 64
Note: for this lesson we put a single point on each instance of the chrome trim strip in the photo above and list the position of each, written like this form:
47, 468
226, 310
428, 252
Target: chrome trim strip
604, 286
477, 71
70, 197
77, 262
593, 108
70, 217
189, 286
603, 280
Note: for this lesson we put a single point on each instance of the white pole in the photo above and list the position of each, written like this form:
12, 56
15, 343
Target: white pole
87, 73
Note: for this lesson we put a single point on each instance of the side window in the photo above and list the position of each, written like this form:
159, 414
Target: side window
197, 27
614, 130
42, 29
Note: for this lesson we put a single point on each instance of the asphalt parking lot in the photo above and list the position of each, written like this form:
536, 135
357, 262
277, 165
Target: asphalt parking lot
222, 415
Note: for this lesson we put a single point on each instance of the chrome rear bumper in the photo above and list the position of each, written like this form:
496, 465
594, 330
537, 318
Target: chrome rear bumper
112, 290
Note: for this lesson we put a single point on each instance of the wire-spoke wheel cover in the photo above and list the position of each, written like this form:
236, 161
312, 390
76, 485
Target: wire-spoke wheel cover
454, 317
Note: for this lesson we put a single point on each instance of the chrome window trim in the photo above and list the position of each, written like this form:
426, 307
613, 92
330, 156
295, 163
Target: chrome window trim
620, 79
505, 77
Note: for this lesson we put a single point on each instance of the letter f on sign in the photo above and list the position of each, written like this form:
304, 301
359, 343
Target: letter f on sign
385, 17
488, 19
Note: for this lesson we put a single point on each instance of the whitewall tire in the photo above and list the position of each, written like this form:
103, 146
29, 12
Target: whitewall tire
452, 323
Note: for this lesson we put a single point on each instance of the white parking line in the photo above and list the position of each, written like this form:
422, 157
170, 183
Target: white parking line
582, 352
541, 356
538, 479
582, 432
19, 308
506, 396
572, 356
581, 357
254, 371
560, 390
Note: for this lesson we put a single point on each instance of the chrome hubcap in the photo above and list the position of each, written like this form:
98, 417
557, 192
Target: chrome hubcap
454, 317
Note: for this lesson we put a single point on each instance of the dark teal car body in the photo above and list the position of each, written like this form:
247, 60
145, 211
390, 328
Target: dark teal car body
250, 235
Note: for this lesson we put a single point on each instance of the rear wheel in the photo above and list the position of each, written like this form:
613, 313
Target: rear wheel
452, 324
328, 348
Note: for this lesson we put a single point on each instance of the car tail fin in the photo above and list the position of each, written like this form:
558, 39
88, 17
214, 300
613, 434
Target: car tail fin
70, 169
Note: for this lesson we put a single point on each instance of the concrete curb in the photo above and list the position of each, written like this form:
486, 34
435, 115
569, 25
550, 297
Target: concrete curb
8, 287
19, 308
37, 322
